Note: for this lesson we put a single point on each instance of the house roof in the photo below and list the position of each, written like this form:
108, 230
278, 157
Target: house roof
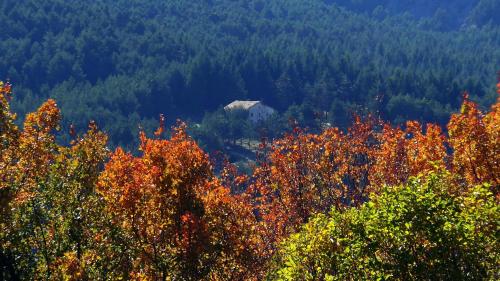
241, 104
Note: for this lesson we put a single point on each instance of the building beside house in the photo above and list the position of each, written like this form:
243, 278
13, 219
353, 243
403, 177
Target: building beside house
257, 111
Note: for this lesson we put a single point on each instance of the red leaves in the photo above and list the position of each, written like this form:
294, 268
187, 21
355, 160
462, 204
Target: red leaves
155, 199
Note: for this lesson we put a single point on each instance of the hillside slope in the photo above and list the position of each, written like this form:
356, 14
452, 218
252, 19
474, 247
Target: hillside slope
124, 62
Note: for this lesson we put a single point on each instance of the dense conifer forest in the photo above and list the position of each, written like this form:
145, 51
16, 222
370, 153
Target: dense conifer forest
124, 62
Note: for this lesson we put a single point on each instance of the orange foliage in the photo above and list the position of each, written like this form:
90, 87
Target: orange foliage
166, 215
475, 140
9, 136
154, 201
406, 153
46, 189
37, 146
26, 155
306, 174
170, 208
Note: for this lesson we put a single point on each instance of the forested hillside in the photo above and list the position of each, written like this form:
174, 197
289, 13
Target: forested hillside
124, 62
433, 14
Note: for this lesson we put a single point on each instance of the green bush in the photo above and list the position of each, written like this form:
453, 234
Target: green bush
425, 230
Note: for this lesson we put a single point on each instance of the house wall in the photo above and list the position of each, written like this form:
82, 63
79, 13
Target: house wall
259, 112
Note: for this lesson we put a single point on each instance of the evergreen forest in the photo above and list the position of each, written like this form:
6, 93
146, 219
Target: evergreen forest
122, 63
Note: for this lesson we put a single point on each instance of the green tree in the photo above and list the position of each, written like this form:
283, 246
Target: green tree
424, 230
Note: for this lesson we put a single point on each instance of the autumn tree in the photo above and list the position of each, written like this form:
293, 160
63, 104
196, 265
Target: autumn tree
76, 210
475, 140
305, 174
48, 196
171, 218
9, 135
403, 153
26, 163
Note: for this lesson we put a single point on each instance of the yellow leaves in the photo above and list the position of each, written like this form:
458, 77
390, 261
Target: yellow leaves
5, 91
49, 189
71, 268
26, 156
44, 120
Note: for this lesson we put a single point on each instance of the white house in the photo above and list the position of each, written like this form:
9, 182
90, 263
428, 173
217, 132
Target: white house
257, 111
